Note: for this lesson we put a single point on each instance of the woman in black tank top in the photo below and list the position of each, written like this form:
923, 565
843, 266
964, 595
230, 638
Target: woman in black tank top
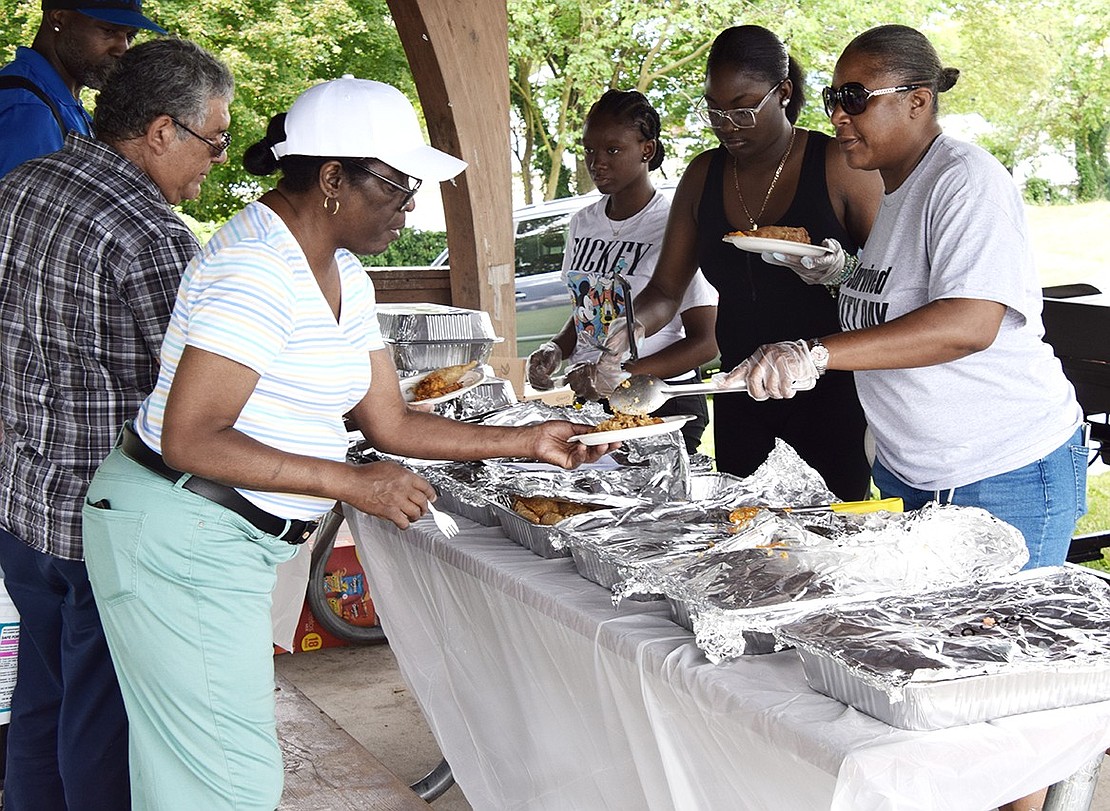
767, 172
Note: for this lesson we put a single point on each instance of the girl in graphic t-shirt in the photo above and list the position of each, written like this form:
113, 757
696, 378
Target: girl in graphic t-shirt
611, 252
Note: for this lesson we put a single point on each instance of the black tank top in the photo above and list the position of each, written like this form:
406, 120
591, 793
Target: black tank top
763, 303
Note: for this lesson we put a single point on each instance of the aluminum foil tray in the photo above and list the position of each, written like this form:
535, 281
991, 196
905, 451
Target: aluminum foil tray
461, 487
1033, 641
535, 537
752, 642
609, 546
478, 513
433, 323
424, 357
591, 566
779, 568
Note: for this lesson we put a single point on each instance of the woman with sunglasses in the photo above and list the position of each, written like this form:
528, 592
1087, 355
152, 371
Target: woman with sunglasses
766, 171
273, 339
942, 317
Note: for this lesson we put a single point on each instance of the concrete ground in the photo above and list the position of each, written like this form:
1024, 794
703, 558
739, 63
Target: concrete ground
361, 689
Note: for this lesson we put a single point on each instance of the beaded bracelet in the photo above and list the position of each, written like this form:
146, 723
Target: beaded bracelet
851, 262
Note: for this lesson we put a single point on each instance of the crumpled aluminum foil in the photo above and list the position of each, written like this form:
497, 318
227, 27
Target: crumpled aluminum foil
783, 479
781, 566
1042, 620
678, 528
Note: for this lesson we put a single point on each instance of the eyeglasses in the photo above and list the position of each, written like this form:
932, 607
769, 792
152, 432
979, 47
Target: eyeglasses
218, 148
407, 191
853, 96
742, 117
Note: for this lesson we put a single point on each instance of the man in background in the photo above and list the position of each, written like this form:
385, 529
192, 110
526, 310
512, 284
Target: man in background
91, 255
77, 44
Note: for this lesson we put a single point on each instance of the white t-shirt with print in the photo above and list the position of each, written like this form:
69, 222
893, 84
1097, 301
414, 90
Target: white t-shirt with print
956, 229
601, 247
251, 297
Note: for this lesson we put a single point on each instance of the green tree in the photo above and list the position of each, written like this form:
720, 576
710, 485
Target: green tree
275, 48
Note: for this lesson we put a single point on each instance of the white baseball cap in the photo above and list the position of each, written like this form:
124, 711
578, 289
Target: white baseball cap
361, 118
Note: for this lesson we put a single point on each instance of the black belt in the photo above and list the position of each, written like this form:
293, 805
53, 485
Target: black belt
294, 532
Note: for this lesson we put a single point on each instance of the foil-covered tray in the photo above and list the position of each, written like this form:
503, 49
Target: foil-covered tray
425, 336
609, 546
479, 513
1033, 641
462, 490
780, 567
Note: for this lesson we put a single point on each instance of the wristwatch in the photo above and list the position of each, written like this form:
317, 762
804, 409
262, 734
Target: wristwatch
819, 354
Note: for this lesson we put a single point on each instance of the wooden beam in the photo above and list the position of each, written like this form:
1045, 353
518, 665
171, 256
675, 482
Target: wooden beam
458, 52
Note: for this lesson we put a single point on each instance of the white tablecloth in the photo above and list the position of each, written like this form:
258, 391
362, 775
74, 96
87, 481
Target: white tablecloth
542, 695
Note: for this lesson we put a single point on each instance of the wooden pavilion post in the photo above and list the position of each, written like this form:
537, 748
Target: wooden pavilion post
458, 53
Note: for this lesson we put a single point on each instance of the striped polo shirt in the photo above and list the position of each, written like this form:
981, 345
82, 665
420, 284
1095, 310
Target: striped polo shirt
251, 297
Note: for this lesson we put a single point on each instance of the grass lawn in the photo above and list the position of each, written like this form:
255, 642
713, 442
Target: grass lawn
1065, 240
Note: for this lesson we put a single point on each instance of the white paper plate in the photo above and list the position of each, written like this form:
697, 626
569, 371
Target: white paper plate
761, 245
473, 378
639, 432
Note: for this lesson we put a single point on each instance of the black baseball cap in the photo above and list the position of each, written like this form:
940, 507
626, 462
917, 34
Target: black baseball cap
117, 12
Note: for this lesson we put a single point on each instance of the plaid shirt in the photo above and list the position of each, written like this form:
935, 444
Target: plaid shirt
91, 255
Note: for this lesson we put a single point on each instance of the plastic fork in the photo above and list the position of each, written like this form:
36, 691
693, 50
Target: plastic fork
445, 522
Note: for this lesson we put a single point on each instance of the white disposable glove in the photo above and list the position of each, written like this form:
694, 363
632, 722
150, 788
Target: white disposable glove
825, 269
774, 370
542, 363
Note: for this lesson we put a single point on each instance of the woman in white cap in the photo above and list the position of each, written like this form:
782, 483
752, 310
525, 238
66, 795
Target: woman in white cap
273, 339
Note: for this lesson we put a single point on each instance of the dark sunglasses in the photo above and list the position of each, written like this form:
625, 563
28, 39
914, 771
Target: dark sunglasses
217, 148
408, 192
853, 97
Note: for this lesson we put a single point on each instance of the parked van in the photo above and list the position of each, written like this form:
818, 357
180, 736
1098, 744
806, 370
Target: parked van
542, 301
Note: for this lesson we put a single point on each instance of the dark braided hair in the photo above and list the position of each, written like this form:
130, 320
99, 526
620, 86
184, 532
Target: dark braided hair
632, 106
907, 54
754, 50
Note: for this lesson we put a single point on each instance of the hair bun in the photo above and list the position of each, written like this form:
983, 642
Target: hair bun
948, 77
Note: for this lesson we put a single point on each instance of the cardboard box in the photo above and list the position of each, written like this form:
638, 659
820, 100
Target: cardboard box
510, 368
347, 595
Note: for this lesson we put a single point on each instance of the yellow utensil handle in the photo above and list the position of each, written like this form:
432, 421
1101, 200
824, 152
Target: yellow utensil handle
893, 505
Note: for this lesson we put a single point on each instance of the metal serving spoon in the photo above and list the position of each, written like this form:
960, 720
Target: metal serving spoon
643, 394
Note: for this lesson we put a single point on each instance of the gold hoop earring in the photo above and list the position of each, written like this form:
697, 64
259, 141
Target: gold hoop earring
335, 200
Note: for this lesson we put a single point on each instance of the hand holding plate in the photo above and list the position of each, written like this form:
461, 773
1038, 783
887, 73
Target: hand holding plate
826, 269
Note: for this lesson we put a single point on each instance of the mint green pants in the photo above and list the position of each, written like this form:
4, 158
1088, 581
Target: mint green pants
183, 588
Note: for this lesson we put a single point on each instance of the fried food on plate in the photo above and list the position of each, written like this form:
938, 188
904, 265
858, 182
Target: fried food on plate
441, 381
784, 232
619, 421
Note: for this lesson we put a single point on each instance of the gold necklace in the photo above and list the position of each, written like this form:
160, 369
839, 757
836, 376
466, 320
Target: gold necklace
771, 188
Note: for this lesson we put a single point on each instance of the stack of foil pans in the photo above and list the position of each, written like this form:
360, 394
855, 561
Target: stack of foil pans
424, 337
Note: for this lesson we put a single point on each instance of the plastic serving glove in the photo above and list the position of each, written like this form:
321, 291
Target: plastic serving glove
775, 370
825, 269
595, 381
542, 363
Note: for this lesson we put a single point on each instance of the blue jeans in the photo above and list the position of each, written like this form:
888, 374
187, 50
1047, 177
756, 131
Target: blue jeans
67, 745
1044, 499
